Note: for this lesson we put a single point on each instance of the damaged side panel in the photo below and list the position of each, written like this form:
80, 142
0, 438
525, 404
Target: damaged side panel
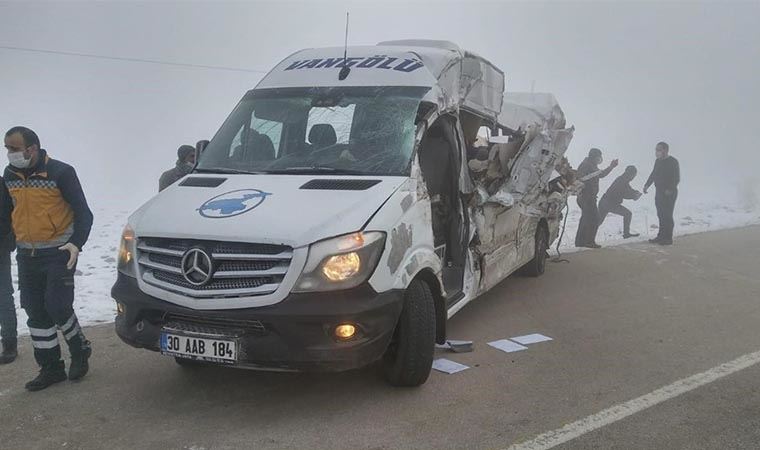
514, 194
409, 245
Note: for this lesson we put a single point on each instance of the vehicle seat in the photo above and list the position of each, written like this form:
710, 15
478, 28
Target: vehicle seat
322, 135
259, 148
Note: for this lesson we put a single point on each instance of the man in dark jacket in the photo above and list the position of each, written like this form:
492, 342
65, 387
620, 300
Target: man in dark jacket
185, 163
52, 222
666, 175
612, 200
589, 173
7, 305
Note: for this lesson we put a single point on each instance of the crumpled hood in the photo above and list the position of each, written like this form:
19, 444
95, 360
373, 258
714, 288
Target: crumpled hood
267, 209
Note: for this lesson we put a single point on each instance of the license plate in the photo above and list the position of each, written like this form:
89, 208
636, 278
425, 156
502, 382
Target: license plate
199, 347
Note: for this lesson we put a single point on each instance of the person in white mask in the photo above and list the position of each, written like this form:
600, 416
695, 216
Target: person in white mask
185, 164
51, 221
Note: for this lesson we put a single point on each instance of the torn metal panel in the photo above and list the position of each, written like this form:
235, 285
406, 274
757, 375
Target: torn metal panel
466, 79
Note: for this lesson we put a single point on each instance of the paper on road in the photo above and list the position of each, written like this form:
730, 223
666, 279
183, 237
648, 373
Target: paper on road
508, 346
530, 339
448, 366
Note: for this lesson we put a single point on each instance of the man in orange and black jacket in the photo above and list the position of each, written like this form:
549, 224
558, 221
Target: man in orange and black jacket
52, 222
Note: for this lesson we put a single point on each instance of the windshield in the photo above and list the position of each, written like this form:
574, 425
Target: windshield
355, 130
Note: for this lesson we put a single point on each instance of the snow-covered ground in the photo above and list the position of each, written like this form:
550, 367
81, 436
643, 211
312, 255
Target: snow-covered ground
690, 218
97, 266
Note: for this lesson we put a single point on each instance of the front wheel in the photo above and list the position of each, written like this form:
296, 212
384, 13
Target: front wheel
409, 357
537, 266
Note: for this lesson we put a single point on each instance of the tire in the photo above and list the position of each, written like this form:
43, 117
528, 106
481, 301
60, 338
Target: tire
537, 266
409, 358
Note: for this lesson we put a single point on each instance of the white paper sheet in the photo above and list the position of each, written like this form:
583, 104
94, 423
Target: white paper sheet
530, 339
448, 366
508, 346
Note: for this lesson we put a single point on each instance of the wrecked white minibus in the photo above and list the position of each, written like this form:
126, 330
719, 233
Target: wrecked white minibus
343, 212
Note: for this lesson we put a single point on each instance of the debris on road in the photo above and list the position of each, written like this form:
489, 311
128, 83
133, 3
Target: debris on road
531, 339
456, 346
508, 346
448, 366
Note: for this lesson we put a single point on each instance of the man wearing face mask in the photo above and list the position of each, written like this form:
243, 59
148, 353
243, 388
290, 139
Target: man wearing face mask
52, 222
589, 173
666, 175
185, 163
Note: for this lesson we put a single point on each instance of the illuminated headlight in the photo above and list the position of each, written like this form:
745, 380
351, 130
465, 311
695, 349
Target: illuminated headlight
343, 262
127, 252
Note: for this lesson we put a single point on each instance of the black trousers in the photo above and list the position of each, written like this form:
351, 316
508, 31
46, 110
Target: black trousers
589, 222
47, 295
665, 203
8, 325
606, 208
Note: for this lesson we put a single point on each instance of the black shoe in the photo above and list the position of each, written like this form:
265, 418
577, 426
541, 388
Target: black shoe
630, 235
46, 378
664, 242
10, 351
592, 245
79, 362
654, 241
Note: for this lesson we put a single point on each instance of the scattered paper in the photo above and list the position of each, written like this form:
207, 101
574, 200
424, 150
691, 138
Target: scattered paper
448, 366
530, 339
507, 346
456, 346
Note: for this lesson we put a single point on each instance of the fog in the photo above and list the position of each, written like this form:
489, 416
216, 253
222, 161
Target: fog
627, 75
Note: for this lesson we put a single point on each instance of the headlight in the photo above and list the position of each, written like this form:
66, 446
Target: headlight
343, 262
127, 252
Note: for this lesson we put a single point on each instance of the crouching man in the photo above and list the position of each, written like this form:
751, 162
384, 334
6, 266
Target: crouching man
612, 200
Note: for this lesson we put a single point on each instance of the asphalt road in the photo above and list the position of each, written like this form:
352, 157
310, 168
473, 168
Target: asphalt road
625, 321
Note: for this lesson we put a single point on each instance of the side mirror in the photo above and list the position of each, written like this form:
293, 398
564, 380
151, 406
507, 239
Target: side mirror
200, 146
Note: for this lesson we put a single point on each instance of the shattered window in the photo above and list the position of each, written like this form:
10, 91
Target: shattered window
354, 130
340, 118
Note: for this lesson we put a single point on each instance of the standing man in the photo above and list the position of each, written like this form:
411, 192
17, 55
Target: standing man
7, 305
612, 200
185, 164
51, 221
589, 173
666, 175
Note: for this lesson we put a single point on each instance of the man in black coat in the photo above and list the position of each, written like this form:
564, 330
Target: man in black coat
8, 324
184, 165
612, 200
666, 175
589, 173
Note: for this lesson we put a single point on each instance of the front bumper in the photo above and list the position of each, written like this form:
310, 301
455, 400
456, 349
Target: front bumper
295, 334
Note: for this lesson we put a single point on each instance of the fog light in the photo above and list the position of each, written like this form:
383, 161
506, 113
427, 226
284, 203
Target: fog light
345, 331
120, 309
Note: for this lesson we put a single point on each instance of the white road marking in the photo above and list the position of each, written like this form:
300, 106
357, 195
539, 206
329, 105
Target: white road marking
621, 411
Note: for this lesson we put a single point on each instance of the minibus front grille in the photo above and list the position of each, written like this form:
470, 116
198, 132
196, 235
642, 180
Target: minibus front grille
234, 269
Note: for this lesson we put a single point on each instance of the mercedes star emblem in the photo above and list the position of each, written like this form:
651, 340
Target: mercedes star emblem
197, 267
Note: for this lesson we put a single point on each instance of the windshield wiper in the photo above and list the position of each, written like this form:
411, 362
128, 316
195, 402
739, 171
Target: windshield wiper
316, 169
226, 170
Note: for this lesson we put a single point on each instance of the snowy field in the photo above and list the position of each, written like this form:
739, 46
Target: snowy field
97, 265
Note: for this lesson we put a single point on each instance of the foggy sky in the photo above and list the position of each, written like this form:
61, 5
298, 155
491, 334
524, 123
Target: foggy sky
627, 75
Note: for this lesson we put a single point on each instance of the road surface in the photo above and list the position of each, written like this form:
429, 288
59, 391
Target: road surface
626, 322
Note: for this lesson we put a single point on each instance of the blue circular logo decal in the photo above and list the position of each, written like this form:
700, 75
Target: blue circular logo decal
232, 203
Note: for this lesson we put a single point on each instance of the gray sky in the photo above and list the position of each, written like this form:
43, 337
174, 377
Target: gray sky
626, 74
